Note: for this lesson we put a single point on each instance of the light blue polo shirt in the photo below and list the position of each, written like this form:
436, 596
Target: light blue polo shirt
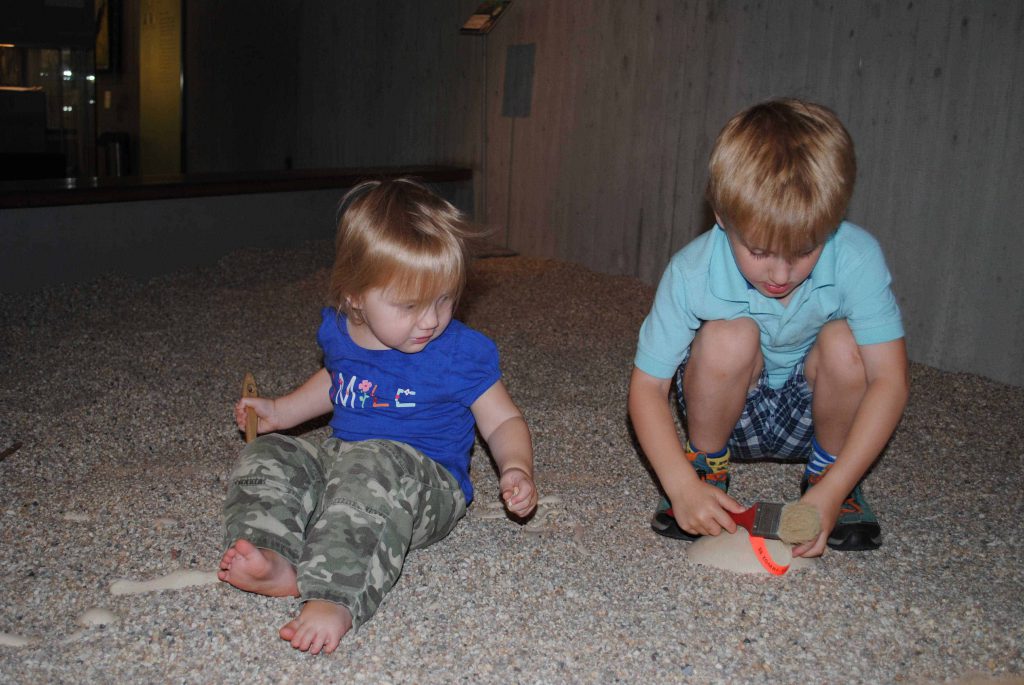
703, 283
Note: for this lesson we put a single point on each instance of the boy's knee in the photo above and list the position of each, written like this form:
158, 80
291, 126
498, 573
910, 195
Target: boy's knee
836, 352
741, 333
735, 343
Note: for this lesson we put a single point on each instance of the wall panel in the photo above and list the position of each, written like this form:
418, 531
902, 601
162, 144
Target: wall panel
388, 84
241, 59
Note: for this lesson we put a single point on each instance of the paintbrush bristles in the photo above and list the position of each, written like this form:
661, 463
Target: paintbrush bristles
800, 523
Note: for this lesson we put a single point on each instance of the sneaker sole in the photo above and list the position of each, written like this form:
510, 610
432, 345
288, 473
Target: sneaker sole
666, 526
857, 538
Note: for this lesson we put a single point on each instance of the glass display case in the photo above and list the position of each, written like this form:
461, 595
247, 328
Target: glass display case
47, 112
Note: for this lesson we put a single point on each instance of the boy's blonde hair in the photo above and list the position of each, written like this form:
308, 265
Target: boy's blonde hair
397, 234
781, 174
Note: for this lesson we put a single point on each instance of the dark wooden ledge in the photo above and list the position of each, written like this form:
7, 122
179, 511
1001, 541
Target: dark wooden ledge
82, 191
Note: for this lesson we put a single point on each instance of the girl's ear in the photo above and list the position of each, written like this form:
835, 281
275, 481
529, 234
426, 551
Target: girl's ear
354, 308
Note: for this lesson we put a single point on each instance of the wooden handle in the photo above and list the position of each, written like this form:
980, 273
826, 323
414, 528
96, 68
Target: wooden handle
251, 420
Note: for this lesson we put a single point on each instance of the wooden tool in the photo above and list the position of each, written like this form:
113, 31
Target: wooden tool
251, 420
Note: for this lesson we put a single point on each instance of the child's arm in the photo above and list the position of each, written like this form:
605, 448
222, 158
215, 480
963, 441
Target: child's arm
698, 507
505, 431
311, 399
881, 408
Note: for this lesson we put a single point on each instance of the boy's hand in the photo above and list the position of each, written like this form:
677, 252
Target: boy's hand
703, 509
828, 510
518, 491
265, 410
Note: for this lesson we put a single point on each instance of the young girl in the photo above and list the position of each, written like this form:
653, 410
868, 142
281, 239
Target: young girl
332, 523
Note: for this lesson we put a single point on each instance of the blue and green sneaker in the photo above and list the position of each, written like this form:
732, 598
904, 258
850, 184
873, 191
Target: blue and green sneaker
714, 470
856, 528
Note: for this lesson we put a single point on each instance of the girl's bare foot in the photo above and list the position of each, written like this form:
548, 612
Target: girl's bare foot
258, 570
319, 626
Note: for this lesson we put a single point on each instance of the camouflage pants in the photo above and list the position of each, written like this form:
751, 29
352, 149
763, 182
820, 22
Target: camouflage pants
344, 514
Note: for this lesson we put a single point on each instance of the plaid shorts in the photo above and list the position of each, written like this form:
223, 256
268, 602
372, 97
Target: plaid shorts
775, 424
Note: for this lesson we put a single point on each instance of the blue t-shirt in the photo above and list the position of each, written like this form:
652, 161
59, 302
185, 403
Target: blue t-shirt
421, 399
703, 283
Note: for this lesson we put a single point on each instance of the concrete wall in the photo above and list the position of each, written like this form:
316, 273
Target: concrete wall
44, 246
275, 84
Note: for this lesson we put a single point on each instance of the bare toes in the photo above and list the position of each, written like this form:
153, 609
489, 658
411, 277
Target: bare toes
229, 556
288, 630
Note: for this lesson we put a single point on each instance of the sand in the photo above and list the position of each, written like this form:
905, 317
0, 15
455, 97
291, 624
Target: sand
119, 393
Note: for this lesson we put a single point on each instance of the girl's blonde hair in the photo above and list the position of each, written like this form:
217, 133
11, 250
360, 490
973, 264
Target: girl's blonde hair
781, 174
397, 234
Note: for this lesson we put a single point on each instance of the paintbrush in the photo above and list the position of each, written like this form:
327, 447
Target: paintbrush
793, 523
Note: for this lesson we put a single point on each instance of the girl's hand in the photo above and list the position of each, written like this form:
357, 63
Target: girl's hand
265, 409
704, 510
518, 491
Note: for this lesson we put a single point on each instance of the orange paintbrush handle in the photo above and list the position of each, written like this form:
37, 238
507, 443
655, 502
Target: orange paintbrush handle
745, 518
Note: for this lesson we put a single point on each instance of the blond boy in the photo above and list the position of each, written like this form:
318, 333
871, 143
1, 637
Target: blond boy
780, 330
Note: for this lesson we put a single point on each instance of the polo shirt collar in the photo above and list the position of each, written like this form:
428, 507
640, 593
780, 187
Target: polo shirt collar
824, 272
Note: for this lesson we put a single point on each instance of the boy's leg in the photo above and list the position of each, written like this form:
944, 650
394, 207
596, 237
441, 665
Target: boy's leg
381, 499
836, 374
723, 365
837, 378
